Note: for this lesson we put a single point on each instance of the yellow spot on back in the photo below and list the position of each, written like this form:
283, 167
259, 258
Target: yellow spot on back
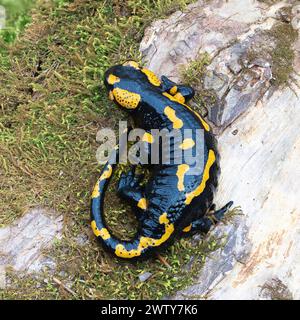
173, 98
188, 228
126, 99
181, 171
103, 233
204, 123
112, 79
173, 90
153, 79
148, 137
210, 161
132, 63
146, 242
163, 219
171, 114
187, 144
107, 173
142, 204
179, 97
166, 94
96, 193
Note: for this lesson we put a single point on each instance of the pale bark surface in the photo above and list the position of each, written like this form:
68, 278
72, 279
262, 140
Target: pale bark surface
259, 142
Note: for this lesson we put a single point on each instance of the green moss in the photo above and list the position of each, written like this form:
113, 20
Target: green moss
17, 18
277, 47
193, 74
52, 103
283, 55
93, 274
270, 2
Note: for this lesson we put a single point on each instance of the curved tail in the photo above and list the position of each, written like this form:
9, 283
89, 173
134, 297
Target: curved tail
141, 245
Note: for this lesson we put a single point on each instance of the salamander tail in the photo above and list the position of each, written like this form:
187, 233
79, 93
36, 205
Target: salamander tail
138, 246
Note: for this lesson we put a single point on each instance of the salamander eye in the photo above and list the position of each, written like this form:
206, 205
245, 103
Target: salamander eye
132, 63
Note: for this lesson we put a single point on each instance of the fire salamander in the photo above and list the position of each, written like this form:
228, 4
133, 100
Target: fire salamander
172, 203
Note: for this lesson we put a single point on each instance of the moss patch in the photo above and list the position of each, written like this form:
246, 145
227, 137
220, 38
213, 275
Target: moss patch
17, 18
270, 2
276, 46
283, 55
193, 74
52, 103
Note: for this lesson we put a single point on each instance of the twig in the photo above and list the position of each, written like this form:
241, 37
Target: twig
163, 260
57, 281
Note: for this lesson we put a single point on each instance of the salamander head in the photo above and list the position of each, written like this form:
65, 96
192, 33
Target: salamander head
126, 82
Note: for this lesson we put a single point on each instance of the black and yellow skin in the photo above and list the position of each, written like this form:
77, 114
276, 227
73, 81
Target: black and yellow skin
172, 203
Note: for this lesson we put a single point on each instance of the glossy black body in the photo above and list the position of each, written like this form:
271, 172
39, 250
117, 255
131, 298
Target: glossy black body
167, 213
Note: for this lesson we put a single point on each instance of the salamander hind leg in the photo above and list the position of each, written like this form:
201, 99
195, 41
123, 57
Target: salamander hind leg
130, 190
129, 180
219, 214
204, 224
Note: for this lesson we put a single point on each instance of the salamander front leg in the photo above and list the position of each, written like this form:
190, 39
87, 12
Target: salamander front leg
181, 92
168, 84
